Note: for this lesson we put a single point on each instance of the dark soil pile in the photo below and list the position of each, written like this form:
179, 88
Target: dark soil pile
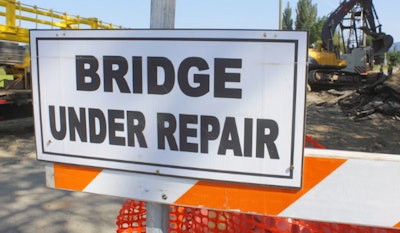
366, 119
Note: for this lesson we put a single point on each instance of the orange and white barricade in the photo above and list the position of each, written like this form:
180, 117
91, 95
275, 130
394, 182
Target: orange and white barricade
338, 187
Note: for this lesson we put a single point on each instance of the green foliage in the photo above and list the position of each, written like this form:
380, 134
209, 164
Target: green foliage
306, 19
315, 30
287, 21
306, 15
393, 57
338, 42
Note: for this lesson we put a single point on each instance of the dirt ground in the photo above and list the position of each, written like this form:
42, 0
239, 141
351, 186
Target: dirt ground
335, 129
27, 205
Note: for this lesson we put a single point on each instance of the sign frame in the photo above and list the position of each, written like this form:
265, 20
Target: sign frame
50, 40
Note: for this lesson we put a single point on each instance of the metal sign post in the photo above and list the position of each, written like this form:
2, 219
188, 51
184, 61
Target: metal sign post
162, 16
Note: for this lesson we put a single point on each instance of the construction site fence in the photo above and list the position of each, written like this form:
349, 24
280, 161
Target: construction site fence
132, 219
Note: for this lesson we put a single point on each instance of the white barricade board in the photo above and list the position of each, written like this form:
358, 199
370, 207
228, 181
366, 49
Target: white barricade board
338, 186
222, 105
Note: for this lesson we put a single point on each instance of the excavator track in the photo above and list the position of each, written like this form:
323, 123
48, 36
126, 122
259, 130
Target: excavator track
333, 79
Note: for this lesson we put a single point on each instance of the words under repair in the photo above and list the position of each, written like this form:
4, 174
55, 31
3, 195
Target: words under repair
175, 131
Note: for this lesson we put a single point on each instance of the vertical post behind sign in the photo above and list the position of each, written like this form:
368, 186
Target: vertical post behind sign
162, 16
280, 14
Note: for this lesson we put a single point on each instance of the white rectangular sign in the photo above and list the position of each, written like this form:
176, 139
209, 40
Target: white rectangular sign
223, 105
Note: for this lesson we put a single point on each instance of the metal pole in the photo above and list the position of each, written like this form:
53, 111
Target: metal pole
157, 217
162, 16
280, 14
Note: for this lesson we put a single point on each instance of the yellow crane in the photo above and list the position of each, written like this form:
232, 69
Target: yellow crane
15, 87
17, 15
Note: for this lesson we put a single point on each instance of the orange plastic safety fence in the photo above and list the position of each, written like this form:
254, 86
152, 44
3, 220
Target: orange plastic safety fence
132, 219
310, 142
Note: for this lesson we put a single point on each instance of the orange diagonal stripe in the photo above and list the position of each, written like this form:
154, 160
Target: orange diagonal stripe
264, 200
397, 225
73, 177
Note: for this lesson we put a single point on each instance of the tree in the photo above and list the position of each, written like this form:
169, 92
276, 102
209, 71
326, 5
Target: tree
306, 17
393, 57
316, 29
287, 21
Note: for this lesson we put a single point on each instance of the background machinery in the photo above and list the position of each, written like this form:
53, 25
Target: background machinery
351, 41
15, 85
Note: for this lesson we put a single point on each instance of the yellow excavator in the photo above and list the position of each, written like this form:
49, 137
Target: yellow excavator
350, 60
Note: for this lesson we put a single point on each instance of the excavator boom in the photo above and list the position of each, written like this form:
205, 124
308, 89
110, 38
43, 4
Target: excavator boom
351, 59
380, 41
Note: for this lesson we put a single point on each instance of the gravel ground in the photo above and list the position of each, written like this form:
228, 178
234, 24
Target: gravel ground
28, 206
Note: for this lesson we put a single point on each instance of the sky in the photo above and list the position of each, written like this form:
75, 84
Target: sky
220, 14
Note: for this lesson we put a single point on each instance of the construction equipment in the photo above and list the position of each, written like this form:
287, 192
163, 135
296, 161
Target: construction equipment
350, 60
15, 87
14, 74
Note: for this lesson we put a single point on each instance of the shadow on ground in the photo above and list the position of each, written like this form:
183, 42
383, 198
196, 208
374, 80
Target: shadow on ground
27, 205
